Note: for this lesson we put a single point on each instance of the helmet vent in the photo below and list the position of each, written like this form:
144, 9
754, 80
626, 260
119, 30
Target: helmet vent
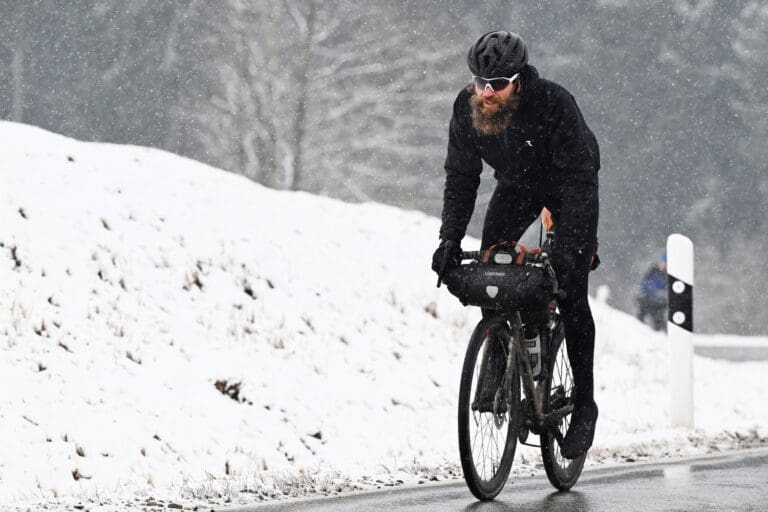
497, 54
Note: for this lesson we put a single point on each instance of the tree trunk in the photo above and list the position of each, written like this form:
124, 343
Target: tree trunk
294, 173
17, 74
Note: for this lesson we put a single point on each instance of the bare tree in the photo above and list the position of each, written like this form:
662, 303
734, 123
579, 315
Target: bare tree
310, 93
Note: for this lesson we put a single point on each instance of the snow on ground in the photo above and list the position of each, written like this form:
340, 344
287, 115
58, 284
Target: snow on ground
170, 332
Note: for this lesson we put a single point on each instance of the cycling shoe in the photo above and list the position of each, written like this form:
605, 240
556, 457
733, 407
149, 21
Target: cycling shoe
581, 433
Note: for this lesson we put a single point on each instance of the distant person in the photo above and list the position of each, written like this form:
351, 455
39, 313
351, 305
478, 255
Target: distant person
652, 301
533, 135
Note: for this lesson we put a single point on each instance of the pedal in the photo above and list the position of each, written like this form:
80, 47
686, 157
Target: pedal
522, 435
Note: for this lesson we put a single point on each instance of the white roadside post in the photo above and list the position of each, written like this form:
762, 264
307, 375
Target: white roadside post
680, 328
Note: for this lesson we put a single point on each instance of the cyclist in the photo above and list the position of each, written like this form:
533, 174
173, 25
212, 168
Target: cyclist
533, 135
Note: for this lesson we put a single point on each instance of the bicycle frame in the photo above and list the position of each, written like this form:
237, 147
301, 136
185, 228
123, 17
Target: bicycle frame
534, 419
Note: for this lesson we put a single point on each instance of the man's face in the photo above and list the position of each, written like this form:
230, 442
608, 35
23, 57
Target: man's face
492, 111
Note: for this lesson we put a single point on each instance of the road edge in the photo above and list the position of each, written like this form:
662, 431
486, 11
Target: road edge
589, 471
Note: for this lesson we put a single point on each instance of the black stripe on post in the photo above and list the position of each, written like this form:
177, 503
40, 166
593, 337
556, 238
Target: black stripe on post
680, 310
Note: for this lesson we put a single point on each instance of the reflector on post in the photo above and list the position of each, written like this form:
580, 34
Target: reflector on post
680, 328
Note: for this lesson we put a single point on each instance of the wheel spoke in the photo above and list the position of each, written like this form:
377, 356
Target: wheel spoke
488, 440
487, 436
562, 382
567, 383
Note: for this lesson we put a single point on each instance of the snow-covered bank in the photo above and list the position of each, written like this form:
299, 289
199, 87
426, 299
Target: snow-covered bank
175, 331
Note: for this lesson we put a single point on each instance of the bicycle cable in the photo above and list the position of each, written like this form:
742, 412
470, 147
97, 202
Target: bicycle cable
541, 232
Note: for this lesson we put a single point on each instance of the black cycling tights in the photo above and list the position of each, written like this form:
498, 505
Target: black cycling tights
507, 219
579, 332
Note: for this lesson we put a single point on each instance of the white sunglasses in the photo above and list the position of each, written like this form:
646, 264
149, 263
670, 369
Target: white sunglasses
496, 84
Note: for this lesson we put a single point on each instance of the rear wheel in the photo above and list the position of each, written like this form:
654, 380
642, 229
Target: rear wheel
489, 413
558, 392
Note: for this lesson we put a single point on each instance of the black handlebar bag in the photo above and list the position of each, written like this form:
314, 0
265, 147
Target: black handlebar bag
509, 287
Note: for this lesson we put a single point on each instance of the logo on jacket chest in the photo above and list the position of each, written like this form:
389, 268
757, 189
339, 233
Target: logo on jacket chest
522, 146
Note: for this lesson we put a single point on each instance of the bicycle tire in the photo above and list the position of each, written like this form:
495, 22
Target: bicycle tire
486, 485
562, 473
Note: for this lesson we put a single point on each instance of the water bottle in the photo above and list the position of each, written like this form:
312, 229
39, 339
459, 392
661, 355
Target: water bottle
533, 345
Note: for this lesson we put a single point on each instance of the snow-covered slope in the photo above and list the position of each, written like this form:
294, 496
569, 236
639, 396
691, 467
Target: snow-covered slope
172, 330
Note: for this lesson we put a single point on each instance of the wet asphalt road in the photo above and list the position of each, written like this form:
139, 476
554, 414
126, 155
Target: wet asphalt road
736, 482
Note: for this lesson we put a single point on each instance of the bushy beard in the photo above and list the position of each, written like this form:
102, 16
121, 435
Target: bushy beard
496, 122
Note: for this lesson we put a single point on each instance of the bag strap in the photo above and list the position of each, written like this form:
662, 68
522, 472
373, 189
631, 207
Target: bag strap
519, 250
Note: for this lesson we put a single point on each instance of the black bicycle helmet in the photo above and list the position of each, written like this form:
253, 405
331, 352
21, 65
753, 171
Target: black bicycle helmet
497, 54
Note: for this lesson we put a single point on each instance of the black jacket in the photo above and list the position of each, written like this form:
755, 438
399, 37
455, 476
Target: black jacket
548, 154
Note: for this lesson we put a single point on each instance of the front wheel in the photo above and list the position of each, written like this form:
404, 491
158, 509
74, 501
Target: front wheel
558, 393
489, 412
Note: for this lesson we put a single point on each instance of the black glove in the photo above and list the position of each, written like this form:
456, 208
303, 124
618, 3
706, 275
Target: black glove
446, 257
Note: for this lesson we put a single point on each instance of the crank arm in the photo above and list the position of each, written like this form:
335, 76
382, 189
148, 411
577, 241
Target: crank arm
553, 418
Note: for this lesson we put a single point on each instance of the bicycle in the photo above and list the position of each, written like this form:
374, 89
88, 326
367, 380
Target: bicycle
518, 291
